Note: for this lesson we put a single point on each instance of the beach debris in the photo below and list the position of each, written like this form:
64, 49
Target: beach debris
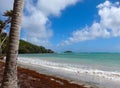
59, 82
52, 79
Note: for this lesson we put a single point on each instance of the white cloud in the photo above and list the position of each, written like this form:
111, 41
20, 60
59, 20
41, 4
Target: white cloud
54, 7
36, 23
108, 26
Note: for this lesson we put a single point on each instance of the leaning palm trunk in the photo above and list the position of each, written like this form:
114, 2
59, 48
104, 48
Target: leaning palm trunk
1, 43
10, 72
0, 48
0, 51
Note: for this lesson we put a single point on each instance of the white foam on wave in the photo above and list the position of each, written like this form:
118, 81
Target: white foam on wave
75, 69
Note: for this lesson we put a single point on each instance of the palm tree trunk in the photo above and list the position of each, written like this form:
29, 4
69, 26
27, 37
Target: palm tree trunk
10, 72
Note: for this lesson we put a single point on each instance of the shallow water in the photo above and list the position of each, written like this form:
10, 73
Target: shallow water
101, 69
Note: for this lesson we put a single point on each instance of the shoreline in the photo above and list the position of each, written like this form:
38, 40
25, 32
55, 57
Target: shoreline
83, 75
79, 74
42, 70
30, 77
84, 79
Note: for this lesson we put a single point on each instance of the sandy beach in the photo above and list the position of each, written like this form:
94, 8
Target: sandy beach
31, 79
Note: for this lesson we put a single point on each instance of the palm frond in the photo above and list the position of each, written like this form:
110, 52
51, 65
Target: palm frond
2, 25
8, 13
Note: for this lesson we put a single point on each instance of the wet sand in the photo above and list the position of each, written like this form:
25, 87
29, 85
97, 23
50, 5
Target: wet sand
31, 79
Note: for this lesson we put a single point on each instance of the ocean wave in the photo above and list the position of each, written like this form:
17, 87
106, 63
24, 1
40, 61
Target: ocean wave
75, 69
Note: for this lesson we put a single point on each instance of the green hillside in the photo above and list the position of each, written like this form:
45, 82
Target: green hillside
26, 47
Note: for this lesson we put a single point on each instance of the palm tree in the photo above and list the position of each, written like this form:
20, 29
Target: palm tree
3, 26
8, 14
3, 38
10, 72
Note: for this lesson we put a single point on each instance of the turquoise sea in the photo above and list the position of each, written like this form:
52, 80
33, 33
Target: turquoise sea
100, 68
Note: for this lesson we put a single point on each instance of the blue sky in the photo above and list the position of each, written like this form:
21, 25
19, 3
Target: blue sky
77, 25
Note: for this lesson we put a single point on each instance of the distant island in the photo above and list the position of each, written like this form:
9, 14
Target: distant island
68, 52
26, 47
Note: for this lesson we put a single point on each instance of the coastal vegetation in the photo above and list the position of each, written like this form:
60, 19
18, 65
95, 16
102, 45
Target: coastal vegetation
24, 46
27, 47
3, 25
